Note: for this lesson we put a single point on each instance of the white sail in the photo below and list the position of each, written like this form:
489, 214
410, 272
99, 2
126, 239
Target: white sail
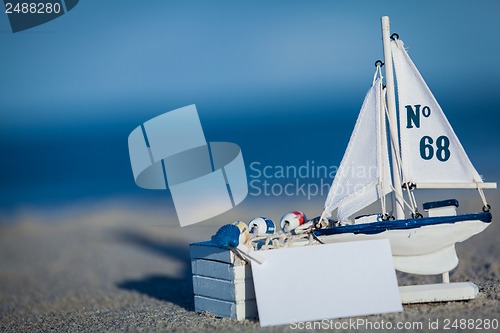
363, 175
430, 149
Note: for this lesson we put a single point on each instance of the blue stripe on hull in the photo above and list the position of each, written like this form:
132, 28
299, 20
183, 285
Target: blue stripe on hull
378, 227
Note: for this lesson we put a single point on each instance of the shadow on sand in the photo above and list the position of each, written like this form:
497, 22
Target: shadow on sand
176, 290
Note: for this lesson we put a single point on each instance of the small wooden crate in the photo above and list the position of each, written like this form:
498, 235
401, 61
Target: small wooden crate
222, 282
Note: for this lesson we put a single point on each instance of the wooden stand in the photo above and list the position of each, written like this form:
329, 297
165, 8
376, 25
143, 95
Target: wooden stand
439, 292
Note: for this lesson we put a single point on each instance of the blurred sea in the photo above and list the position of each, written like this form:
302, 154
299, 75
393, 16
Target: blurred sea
94, 165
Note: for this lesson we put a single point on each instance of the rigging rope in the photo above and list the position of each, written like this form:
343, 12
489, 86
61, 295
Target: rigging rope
397, 161
486, 206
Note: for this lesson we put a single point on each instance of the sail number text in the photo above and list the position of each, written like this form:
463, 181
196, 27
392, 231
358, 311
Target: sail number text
441, 150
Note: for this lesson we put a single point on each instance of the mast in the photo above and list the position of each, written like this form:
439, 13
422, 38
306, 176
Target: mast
393, 121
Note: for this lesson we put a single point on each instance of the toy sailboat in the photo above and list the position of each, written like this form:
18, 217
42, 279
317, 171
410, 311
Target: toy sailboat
425, 154
392, 151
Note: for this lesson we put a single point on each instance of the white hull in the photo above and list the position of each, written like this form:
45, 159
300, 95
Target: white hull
424, 250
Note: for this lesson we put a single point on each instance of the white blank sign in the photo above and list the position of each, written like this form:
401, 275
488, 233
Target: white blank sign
326, 281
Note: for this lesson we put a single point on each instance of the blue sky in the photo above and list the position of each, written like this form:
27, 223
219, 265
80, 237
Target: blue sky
130, 59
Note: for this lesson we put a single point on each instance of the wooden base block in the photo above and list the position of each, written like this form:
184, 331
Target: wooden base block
233, 291
209, 251
439, 292
222, 282
236, 310
220, 270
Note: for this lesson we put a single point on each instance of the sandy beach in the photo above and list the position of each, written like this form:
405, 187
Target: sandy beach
117, 266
